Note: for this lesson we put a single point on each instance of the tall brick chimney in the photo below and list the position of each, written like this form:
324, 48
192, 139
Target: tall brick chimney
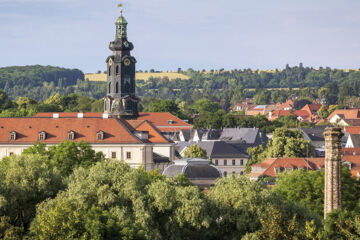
332, 189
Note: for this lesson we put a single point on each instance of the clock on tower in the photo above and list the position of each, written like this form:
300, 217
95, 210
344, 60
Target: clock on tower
120, 100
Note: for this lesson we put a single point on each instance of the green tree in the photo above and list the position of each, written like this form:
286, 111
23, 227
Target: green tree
25, 181
159, 105
69, 155
323, 113
194, 151
307, 188
205, 105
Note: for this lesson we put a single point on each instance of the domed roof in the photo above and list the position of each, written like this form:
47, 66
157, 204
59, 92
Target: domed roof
121, 20
193, 169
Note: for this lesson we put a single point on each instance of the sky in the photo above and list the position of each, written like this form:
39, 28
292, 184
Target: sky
167, 34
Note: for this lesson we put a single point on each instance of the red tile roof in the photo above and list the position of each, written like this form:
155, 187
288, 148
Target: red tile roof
86, 129
278, 113
312, 108
164, 121
288, 104
269, 165
154, 135
347, 113
350, 151
352, 129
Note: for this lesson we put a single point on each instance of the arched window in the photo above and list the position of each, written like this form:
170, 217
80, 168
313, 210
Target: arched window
100, 135
109, 87
12, 136
109, 71
117, 70
71, 135
42, 136
117, 87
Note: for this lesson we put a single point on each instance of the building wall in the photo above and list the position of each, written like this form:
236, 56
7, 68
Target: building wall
230, 168
134, 155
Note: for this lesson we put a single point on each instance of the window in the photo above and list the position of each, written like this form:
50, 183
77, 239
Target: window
11, 153
241, 162
109, 87
71, 135
233, 162
225, 173
100, 135
128, 155
216, 162
117, 87
109, 71
225, 162
117, 70
12, 136
241, 173
42, 136
113, 155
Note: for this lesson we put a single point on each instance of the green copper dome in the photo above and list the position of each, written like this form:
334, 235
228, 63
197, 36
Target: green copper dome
121, 20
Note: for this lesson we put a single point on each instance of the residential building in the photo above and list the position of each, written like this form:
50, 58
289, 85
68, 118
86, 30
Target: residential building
273, 166
229, 159
353, 141
287, 106
260, 110
344, 114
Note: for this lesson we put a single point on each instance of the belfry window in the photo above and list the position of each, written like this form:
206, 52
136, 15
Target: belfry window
117, 70
42, 136
117, 87
100, 135
71, 135
12, 136
109, 71
109, 87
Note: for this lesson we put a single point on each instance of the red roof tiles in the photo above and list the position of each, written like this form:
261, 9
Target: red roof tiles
346, 113
164, 121
86, 129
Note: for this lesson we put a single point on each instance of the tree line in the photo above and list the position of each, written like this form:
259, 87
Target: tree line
225, 87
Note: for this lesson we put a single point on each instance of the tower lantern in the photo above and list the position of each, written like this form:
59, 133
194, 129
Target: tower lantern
120, 100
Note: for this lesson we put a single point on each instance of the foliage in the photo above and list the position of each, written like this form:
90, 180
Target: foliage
242, 204
67, 155
159, 105
194, 151
323, 113
285, 143
130, 204
307, 188
25, 181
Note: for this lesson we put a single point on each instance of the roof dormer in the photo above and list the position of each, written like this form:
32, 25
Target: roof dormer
71, 135
12, 136
42, 135
100, 135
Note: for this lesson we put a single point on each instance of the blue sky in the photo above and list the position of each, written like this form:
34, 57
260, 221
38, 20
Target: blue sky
202, 34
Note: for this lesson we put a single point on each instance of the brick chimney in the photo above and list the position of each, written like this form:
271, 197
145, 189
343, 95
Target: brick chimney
332, 191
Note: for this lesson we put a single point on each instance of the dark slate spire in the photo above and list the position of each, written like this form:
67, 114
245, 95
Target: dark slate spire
121, 100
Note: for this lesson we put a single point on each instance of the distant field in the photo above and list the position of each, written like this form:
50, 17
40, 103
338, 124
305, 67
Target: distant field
101, 77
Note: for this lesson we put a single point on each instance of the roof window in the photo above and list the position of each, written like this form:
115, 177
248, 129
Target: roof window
100, 135
71, 135
42, 135
170, 121
12, 136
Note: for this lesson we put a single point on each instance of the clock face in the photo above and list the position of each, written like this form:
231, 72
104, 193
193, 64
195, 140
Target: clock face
126, 44
127, 62
110, 62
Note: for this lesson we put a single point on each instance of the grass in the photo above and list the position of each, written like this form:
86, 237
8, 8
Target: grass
102, 77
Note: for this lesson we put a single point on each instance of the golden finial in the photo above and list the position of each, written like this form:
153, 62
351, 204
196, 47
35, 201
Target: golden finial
120, 6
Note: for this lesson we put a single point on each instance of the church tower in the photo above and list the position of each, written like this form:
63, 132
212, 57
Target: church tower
120, 100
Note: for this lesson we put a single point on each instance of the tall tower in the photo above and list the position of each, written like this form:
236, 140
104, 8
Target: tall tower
332, 191
120, 100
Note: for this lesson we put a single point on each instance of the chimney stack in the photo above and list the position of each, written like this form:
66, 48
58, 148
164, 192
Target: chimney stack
332, 191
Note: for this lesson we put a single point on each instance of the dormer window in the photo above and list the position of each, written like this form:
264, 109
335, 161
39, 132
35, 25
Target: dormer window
100, 135
71, 135
170, 122
12, 136
42, 135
